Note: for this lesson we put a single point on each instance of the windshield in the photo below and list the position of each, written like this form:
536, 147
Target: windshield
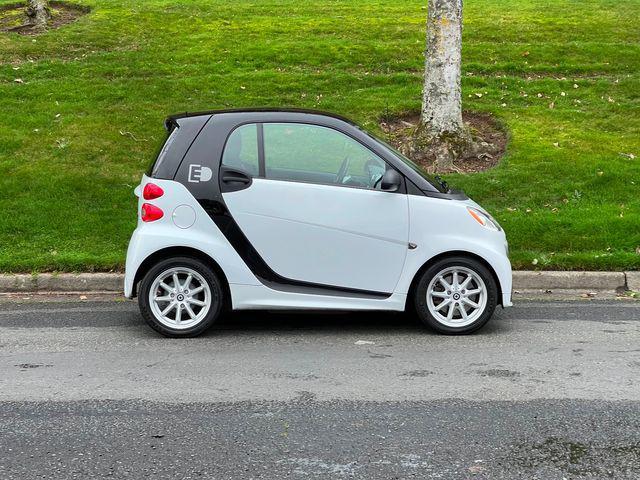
434, 180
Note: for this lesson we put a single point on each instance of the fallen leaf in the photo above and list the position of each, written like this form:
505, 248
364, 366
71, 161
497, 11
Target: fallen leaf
525, 54
132, 136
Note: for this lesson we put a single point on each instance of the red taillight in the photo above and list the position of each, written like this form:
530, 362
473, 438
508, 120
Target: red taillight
151, 191
149, 213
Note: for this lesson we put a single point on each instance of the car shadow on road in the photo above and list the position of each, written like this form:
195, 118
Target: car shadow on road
322, 323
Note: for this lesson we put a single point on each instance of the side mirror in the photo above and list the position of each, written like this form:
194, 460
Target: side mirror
391, 181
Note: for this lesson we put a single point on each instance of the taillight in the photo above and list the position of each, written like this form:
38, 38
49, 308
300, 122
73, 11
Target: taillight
151, 191
150, 213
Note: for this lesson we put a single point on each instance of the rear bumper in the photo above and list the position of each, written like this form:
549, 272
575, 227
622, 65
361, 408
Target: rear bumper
132, 264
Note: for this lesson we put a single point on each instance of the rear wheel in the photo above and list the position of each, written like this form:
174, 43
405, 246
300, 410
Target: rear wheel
456, 295
180, 297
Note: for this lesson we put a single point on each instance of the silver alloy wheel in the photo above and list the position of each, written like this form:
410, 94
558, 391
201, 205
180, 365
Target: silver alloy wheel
456, 296
180, 298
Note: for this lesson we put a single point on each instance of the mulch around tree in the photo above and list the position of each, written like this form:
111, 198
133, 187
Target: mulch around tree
13, 17
490, 140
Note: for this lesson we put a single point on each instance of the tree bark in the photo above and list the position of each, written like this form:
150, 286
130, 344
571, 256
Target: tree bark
441, 116
39, 13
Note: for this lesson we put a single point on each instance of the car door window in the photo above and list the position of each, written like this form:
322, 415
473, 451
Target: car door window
311, 153
241, 149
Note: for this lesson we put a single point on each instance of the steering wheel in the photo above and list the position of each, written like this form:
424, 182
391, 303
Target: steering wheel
370, 165
343, 169
377, 182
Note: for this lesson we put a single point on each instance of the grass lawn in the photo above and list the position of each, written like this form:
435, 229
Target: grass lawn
77, 134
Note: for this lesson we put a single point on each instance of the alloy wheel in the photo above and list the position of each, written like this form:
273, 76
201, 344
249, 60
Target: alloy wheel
456, 296
180, 298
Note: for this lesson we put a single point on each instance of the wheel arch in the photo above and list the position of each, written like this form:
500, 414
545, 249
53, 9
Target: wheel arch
180, 251
453, 253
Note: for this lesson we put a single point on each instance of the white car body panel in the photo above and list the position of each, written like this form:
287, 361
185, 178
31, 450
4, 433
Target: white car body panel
380, 248
325, 234
203, 236
251, 297
439, 226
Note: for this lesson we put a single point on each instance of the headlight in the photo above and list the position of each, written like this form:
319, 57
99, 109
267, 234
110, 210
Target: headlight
484, 219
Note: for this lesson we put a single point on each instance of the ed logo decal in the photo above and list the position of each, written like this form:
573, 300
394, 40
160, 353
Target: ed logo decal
198, 173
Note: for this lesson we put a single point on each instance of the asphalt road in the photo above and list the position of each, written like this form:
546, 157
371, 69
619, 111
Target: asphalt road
547, 390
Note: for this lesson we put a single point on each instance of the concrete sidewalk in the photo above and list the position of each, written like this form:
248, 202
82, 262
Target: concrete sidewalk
523, 281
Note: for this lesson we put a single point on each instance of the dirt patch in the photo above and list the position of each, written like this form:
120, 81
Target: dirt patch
13, 17
490, 139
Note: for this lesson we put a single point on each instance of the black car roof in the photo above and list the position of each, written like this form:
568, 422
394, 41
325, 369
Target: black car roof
294, 111
237, 116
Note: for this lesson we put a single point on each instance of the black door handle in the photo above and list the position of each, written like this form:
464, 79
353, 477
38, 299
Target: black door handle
235, 177
232, 180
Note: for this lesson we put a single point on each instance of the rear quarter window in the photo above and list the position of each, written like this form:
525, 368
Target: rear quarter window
175, 147
155, 166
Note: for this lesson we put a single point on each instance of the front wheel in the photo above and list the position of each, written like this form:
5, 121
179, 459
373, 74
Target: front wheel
456, 295
180, 297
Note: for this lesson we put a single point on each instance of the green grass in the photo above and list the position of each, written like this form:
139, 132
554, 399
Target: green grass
76, 136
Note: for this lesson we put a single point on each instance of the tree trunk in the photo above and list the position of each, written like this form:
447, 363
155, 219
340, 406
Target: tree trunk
441, 116
38, 13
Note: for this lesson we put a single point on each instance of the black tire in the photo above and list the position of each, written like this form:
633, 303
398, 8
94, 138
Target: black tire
210, 277
420, 296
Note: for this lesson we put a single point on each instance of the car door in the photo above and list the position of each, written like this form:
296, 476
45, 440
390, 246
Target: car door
314, 210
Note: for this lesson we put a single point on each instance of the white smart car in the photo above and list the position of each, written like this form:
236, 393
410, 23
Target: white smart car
295, 209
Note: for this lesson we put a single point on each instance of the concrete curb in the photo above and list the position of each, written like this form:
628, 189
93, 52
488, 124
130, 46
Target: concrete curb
591, 281
522, 281
633, 281
63, 282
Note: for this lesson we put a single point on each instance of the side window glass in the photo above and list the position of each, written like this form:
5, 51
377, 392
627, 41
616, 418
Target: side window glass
311, 153
241, 150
